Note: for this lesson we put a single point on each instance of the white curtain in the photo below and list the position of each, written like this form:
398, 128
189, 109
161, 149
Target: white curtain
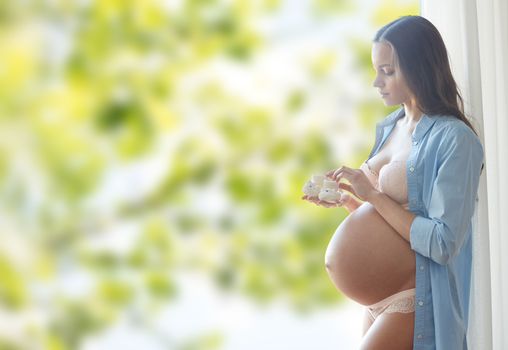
476, 35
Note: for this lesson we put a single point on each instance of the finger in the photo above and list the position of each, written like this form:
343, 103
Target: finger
337, 172
347, 187
344, 173
329, 204
330, 173
310, 200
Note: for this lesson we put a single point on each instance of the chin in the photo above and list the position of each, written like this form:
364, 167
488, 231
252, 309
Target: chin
389, 103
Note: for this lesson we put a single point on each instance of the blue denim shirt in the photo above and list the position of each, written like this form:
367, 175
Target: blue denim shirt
443, 171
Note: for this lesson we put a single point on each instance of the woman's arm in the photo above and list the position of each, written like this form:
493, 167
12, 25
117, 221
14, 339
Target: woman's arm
441, 233
360, 186
350, 203
452, 190
398, 217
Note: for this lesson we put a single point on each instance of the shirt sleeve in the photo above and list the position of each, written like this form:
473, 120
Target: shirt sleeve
452, 198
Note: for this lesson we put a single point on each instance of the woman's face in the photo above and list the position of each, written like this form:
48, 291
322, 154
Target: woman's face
389, 80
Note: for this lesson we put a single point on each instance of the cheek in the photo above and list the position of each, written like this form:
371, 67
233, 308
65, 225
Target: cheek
399, 88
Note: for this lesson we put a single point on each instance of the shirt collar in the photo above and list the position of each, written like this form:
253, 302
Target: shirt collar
392, 118
423, 126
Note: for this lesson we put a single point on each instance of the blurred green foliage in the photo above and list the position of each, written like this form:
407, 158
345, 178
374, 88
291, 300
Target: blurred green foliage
96, 86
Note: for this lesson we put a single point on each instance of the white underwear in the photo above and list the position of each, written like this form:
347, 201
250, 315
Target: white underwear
403, 302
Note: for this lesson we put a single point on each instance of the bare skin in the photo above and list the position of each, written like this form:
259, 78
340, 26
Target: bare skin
366, 250
369, 257
368, 260
389, 331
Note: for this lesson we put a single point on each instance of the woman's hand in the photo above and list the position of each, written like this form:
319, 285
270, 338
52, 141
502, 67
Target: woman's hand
325, 204
347, 201
360, 185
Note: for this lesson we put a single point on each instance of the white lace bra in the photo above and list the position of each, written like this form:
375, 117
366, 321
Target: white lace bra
391, 179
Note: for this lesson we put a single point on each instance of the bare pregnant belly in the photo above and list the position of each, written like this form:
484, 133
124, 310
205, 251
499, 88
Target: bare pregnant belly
367, 259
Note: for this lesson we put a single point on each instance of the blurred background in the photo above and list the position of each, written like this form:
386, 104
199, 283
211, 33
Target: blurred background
152, 156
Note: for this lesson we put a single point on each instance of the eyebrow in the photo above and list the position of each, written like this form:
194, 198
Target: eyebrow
383, 65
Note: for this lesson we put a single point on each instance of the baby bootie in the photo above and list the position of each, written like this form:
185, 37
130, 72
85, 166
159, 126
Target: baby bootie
313, 186
330, 192
330, 196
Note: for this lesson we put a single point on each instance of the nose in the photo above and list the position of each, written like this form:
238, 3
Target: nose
377, 82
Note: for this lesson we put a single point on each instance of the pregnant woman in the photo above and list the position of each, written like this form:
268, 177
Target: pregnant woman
405, 250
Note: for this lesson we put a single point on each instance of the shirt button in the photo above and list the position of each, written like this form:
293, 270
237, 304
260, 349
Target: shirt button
421, 267
419, 336
415, 143
420, 303
411, 169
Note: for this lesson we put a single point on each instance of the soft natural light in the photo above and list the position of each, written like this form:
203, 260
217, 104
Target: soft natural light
152, 167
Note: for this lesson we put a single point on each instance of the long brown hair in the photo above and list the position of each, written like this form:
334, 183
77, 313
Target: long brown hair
422, 57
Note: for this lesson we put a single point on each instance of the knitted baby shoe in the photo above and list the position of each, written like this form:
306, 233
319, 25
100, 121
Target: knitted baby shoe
329, 195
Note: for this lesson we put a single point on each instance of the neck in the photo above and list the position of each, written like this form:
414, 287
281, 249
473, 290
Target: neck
412, 112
